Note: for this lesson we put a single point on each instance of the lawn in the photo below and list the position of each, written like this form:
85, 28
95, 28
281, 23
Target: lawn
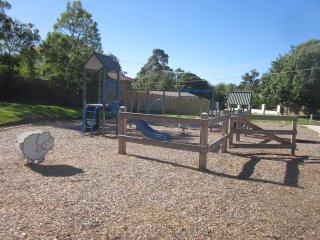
301, 121
12, 113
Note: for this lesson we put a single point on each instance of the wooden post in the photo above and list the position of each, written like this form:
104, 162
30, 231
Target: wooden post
132, 99
263, 108
225, 126
122, 125
84, 93
163, 95
238, 125
138, 102
293, 136
103, 100
203, 142
311, 116
232, 121
99, 86
116, 95
179, 103
148, 92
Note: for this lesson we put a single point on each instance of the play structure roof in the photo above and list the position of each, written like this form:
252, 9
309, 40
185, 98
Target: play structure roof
98, 61
239, 98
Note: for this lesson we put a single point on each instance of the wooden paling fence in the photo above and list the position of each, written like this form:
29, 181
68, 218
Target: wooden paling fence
202, 148
244, 126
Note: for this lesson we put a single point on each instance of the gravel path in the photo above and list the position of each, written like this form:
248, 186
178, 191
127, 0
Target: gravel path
314, 128
85, 190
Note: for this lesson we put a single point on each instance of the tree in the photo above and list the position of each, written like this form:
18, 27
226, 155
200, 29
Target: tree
77, 23
221, 91
157, 62
17, 42
294, 78
3, 17
191, 81
156, 73
251, 82
65, 50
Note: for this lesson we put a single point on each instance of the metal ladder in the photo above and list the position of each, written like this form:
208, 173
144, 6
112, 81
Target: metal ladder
89, 119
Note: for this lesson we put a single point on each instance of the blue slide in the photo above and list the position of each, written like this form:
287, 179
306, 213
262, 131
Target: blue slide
145, 128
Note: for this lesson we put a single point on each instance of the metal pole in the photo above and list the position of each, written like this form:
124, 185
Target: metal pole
148, 92
179, 103
132, 99
163, 95
212, 102
84, 93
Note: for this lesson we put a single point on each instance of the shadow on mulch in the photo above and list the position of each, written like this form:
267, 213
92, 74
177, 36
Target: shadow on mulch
292, 166
55, 170
291, 177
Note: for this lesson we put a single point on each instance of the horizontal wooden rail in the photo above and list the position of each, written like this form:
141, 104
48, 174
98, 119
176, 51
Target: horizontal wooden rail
201, 148
245, 120
273, 146
263, 131
265, 117
213, 146
254, 127
164, 144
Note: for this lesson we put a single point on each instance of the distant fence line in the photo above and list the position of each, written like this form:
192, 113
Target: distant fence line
37, 90
41, 91
146, 102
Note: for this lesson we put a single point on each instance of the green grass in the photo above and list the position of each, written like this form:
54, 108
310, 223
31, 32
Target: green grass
12, 113
301, 121
305, 121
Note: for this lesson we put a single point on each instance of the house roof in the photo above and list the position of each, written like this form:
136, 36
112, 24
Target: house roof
113, 76
97, 61
240, 98
172, 94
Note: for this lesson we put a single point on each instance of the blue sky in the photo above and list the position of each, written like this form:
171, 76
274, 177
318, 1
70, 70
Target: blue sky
217, 40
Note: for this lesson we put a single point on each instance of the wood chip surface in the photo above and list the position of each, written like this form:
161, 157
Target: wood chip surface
85, 190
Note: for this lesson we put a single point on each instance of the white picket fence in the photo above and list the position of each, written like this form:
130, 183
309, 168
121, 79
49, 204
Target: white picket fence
263, 110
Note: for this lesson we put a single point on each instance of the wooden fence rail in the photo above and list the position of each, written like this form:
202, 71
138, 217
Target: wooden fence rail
251, 128
202, 148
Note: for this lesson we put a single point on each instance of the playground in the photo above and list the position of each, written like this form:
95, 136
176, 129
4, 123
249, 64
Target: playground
131, 175
86, 190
